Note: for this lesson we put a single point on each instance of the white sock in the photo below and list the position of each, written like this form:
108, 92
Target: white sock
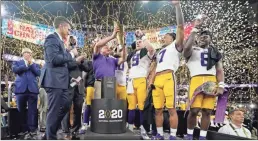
203, 133
190, 131
160, 131
130, 127
173, 132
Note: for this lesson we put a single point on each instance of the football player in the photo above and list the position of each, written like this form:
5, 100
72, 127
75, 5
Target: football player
167, 60
120, 74
204, 63
136, 88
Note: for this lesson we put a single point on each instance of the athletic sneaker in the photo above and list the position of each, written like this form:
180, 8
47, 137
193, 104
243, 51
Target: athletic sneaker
144, 134
157, 137
83, 129
188, 137
202, 138
172, 137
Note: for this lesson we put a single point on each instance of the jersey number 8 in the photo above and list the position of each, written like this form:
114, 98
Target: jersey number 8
204, 59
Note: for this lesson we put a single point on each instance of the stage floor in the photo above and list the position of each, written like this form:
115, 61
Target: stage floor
128, 135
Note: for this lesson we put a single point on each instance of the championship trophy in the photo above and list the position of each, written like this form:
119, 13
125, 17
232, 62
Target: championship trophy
120, 34
207, 88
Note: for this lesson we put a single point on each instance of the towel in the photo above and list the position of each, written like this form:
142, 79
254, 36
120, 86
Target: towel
130, 89
213, 57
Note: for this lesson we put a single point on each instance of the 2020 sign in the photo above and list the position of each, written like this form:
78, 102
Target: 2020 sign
113, 114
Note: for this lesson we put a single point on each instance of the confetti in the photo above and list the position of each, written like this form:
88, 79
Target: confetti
231, 22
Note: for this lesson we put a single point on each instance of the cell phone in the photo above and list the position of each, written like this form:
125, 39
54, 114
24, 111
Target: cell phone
72, 42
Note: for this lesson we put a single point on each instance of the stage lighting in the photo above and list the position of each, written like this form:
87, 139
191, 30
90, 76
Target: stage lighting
3, 10
252, 105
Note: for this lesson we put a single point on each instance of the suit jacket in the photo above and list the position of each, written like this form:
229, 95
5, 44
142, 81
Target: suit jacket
55, 71
75, 70
26, 77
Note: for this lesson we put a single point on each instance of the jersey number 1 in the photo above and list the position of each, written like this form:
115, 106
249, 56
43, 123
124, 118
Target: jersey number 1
121, 67
204, 59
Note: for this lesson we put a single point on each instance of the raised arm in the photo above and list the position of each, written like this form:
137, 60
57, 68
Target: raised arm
187, 52
122, 59
146, 43
180, 26
104, 41
148, 46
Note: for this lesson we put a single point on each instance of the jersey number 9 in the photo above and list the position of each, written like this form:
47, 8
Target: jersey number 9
135, 60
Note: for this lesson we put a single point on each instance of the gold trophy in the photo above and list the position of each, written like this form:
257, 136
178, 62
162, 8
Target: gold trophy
120, 34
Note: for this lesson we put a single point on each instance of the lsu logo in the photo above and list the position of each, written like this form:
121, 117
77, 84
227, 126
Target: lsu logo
113, 114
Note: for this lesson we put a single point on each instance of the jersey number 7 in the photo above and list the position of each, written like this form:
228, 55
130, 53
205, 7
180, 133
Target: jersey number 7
162, 53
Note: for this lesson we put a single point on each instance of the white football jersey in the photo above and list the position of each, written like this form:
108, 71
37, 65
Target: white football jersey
168, 58
139, 66
120, 74
198, 62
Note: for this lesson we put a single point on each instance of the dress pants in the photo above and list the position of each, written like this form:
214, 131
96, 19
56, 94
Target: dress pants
77, 99
58, 106
32, 116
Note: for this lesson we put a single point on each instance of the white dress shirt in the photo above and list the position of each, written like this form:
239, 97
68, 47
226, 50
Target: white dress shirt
242, 132
26, 62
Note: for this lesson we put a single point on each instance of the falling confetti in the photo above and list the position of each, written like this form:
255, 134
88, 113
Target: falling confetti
231, 22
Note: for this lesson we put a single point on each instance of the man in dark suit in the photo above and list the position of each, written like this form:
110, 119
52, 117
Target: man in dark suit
26, 90
55, 76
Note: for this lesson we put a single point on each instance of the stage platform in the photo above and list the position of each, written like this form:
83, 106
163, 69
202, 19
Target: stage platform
128, 135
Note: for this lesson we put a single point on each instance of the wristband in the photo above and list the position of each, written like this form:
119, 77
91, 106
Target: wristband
222, 85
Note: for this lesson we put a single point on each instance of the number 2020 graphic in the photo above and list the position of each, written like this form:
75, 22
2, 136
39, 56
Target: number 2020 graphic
162, 53
113, 114
135, 60
204, 59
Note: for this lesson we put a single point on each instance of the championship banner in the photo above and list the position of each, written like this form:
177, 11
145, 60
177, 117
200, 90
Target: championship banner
33, 33
155, 36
